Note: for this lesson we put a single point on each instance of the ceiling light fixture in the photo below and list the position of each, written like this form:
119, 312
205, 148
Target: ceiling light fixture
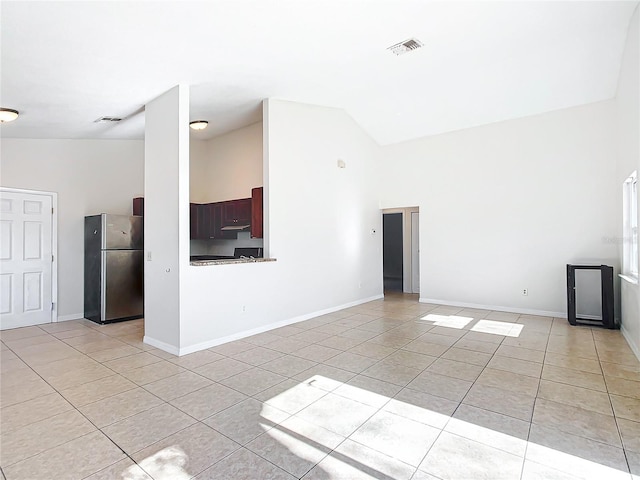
108, 120
8, 115
405, 47
198, 124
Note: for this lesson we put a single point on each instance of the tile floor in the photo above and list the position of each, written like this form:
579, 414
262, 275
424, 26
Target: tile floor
390, 389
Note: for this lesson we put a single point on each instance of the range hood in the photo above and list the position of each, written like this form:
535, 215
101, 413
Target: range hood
235, 228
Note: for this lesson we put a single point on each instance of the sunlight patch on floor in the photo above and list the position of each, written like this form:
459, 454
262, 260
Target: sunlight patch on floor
311, 444
167, 463
498, 328
451, 321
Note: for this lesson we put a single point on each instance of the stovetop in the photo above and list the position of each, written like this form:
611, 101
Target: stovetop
239, 252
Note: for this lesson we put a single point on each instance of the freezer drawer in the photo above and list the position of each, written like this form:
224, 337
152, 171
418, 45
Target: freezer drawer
122, 284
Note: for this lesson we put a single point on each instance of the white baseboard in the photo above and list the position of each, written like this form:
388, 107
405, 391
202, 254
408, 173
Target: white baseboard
73, 316
523, 311
627, 336
161, 345
265, 328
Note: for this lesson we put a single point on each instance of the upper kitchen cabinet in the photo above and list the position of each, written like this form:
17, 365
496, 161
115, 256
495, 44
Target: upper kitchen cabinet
237, 212
257, 225
199, 228
138, 206
215, 213
207, 221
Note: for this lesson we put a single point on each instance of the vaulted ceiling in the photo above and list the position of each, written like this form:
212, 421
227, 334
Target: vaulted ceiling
65, 64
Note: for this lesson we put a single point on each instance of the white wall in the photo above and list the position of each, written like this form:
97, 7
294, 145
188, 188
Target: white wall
506, 206
198, 169
166, 226
226, 167
628, 160
90, 177
319, 222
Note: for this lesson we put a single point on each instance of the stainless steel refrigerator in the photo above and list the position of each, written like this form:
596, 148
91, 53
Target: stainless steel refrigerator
113, 268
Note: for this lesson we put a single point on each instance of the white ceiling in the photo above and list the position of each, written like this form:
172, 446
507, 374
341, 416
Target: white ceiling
65, 64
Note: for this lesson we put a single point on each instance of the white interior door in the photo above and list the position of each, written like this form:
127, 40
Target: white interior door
415, 252
26, 222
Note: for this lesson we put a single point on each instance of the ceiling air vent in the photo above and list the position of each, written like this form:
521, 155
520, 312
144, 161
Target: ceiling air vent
406, 46
108, 120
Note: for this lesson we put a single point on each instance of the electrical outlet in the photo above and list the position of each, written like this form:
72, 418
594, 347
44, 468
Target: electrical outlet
243, 309
525, 292
148, 256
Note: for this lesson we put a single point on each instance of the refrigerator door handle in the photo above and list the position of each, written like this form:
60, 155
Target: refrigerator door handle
103, 284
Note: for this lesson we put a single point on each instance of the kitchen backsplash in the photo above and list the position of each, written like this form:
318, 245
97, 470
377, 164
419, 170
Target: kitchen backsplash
224, 247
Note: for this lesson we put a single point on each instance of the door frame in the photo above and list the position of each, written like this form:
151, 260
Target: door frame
414, 287
407, 267
54, 241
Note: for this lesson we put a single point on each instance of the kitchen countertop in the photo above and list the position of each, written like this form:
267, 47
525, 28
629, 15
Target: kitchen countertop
229, 261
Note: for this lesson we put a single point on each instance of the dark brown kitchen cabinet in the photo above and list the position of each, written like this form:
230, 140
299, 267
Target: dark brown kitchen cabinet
256, 212
215, 213
243, 211
193, 221
198, 214
207, 222
209, 219
213, 220
236, 212
138, 206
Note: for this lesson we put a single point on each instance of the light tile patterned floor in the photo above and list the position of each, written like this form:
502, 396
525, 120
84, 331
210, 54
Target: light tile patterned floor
390, 389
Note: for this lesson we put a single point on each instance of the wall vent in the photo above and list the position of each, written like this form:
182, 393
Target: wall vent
108, 120
406, 46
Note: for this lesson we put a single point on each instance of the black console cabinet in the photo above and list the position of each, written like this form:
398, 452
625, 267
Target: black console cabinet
606, 284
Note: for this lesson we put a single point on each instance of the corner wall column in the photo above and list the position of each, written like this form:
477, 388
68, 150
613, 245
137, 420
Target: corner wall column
166, 237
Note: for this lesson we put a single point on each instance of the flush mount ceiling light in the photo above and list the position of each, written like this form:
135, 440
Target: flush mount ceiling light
405, 47
108, 120
198, 124
8, 115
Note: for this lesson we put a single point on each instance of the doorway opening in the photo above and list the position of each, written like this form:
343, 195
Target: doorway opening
392, 252
401, 250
